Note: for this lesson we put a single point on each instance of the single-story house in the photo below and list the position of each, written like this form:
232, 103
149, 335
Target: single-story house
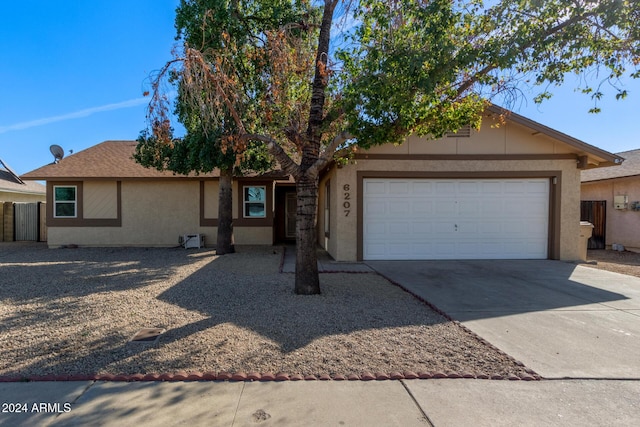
610, 199
508, 191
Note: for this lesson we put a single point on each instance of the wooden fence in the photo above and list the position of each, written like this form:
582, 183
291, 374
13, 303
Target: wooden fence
23, 222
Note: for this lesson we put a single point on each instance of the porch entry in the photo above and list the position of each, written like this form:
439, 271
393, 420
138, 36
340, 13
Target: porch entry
285, 213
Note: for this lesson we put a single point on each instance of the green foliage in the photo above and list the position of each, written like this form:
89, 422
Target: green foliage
198, 153
427, 67
401, 71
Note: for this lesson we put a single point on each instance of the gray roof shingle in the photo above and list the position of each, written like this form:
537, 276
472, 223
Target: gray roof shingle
11, 183
629, 167
114, 160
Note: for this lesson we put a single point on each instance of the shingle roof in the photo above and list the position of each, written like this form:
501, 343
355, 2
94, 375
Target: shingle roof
111, 160
108, 159
630, 167
10, 182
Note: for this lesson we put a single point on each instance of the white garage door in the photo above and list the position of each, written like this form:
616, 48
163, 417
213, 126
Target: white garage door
455, 219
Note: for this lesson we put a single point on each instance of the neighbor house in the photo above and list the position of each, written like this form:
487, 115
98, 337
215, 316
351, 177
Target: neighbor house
508, 191
610, 199
20, 207
14, 189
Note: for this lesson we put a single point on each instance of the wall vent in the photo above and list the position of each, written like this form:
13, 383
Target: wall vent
463, 132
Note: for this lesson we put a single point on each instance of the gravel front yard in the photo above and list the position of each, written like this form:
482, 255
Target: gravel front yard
73, 311
619, 262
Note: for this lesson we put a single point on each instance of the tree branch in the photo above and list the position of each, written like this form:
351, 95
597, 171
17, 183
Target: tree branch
328, 152
287, 164
551, 31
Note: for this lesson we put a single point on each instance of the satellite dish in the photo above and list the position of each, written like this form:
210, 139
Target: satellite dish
57, 151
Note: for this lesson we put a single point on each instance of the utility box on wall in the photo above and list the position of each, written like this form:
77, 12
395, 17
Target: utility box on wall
620, 202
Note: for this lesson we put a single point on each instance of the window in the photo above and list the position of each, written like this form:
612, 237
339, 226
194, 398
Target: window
65, 201
255, 201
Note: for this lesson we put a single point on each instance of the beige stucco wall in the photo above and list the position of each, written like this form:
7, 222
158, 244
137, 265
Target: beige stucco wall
211, 199
328, 242
343, 242
8, 196
622, 226
509, 138
100, 199
154, 213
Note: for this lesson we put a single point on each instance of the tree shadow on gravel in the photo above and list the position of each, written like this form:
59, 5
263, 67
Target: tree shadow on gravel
232, 313
267, 305
35, 272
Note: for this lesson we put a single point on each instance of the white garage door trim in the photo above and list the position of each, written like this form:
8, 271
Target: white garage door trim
455, 218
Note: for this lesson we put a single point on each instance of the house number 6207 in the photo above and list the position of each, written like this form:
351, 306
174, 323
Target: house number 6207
346, 197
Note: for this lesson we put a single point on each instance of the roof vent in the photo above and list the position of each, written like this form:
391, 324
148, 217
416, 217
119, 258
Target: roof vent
463, 132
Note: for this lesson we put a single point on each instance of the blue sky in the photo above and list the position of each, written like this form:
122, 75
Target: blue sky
73, 72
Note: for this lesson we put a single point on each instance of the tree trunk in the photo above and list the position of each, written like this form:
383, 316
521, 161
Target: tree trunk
307, 280
224, 242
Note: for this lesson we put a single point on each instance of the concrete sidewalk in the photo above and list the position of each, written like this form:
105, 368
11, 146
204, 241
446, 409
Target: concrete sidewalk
325, 263
303, 403
443, 402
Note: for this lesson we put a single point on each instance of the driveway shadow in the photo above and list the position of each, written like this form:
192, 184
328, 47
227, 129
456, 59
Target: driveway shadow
469, 290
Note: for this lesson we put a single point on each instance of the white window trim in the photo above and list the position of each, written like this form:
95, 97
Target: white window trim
75, 201
245, 202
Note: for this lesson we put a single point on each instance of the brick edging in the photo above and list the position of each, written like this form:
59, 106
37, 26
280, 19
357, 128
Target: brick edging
268, 376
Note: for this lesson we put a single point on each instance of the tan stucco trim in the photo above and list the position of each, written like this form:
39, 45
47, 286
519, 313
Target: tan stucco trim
555, 182
205, 222
80, 221
267, 221
564, 156
607, 159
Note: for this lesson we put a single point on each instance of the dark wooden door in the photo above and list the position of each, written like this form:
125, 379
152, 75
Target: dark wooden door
596, 213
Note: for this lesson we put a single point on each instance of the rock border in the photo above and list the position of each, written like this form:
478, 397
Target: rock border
268, 376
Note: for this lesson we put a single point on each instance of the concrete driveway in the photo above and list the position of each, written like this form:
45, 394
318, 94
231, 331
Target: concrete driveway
560, 319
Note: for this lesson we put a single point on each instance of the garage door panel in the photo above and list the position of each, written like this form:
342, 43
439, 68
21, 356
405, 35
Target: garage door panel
445, 207
455, 219
375, 187
399, 187
467, 228
376, 228
425, 228
445, 187
422, 207
514, 187
399, 229
469, 187
422, 187
375, 208
537, 187
400, 207
490, 187
469, 207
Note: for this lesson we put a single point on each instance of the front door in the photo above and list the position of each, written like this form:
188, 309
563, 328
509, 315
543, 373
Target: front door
285, 214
